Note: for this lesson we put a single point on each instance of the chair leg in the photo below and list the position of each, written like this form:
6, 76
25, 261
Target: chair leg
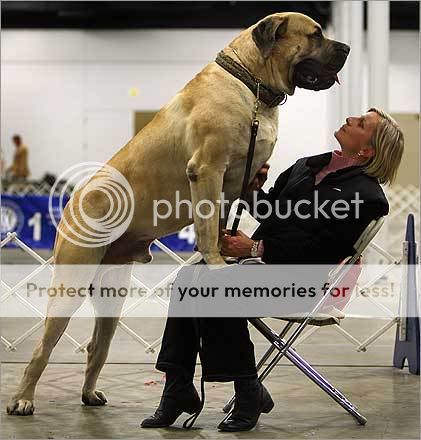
274, 362
265, 357
308, 370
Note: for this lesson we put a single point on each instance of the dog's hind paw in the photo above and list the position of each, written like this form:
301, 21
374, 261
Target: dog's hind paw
94, 398
20, 407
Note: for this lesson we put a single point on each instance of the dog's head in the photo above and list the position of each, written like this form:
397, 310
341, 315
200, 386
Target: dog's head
295, 48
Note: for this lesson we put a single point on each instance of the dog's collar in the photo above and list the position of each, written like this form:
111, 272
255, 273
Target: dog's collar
269, 96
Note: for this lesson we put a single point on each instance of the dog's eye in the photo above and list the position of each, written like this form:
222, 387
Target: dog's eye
318, 34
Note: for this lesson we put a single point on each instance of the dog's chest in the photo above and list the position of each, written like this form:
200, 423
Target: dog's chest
265, 142
266, 136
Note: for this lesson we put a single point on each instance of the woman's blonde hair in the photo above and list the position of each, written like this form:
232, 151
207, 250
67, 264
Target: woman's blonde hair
388, 144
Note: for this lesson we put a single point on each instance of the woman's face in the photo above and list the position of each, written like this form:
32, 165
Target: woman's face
356, 134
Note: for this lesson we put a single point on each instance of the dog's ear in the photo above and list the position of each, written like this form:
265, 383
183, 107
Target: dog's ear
267, 32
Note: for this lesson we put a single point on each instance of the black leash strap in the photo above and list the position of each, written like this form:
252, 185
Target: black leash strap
246, 178
197, 273
250, 155
188, 424
263, 93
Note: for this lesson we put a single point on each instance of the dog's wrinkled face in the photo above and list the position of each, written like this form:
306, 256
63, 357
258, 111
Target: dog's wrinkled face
296, 42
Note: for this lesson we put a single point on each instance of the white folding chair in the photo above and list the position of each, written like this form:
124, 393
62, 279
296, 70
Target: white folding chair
319, 316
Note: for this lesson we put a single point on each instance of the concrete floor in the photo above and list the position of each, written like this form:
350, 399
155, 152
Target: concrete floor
324, 347
389, 398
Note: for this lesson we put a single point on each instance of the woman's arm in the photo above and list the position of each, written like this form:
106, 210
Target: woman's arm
255, 193
329, 244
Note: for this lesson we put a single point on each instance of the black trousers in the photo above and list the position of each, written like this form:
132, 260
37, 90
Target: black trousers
224, 345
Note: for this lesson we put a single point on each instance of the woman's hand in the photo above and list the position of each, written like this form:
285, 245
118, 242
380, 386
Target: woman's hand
237, 246
260, 178
258, 181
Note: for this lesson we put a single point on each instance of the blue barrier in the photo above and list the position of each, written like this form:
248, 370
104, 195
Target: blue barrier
29, 217
407, 341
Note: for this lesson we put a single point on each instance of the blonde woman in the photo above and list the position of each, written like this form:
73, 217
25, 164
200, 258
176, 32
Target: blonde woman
371, 151
370, 154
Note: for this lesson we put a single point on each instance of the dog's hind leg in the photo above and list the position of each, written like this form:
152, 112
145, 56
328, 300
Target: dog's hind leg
61, 307
107, 310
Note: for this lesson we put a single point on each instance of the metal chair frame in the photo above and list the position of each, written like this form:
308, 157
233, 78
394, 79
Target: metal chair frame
284, 347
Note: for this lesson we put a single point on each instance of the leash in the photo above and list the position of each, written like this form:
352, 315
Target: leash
250, 155
188, 424
263, 93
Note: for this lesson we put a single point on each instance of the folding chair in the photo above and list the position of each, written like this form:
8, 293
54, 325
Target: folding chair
314, 317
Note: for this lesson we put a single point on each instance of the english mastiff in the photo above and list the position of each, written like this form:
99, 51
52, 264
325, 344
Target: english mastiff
196, 145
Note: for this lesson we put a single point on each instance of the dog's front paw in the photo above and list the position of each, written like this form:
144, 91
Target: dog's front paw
215, 260
20, 407
94, 398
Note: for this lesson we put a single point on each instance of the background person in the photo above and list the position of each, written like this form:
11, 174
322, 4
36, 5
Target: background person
19, 168
371, 151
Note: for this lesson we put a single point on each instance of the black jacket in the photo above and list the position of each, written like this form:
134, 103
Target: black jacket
317, 239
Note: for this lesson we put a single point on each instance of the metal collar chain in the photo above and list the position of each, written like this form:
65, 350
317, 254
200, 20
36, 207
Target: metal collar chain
257, 101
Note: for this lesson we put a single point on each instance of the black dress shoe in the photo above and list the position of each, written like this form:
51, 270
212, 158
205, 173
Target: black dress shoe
251, 399
178, 397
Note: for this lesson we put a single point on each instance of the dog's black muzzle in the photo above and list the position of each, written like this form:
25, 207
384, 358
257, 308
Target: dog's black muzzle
312, 74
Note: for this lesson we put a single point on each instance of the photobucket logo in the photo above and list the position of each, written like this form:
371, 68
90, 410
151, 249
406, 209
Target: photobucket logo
315, 208
101, 206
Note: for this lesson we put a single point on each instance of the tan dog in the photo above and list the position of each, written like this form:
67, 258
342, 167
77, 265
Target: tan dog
197, 144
